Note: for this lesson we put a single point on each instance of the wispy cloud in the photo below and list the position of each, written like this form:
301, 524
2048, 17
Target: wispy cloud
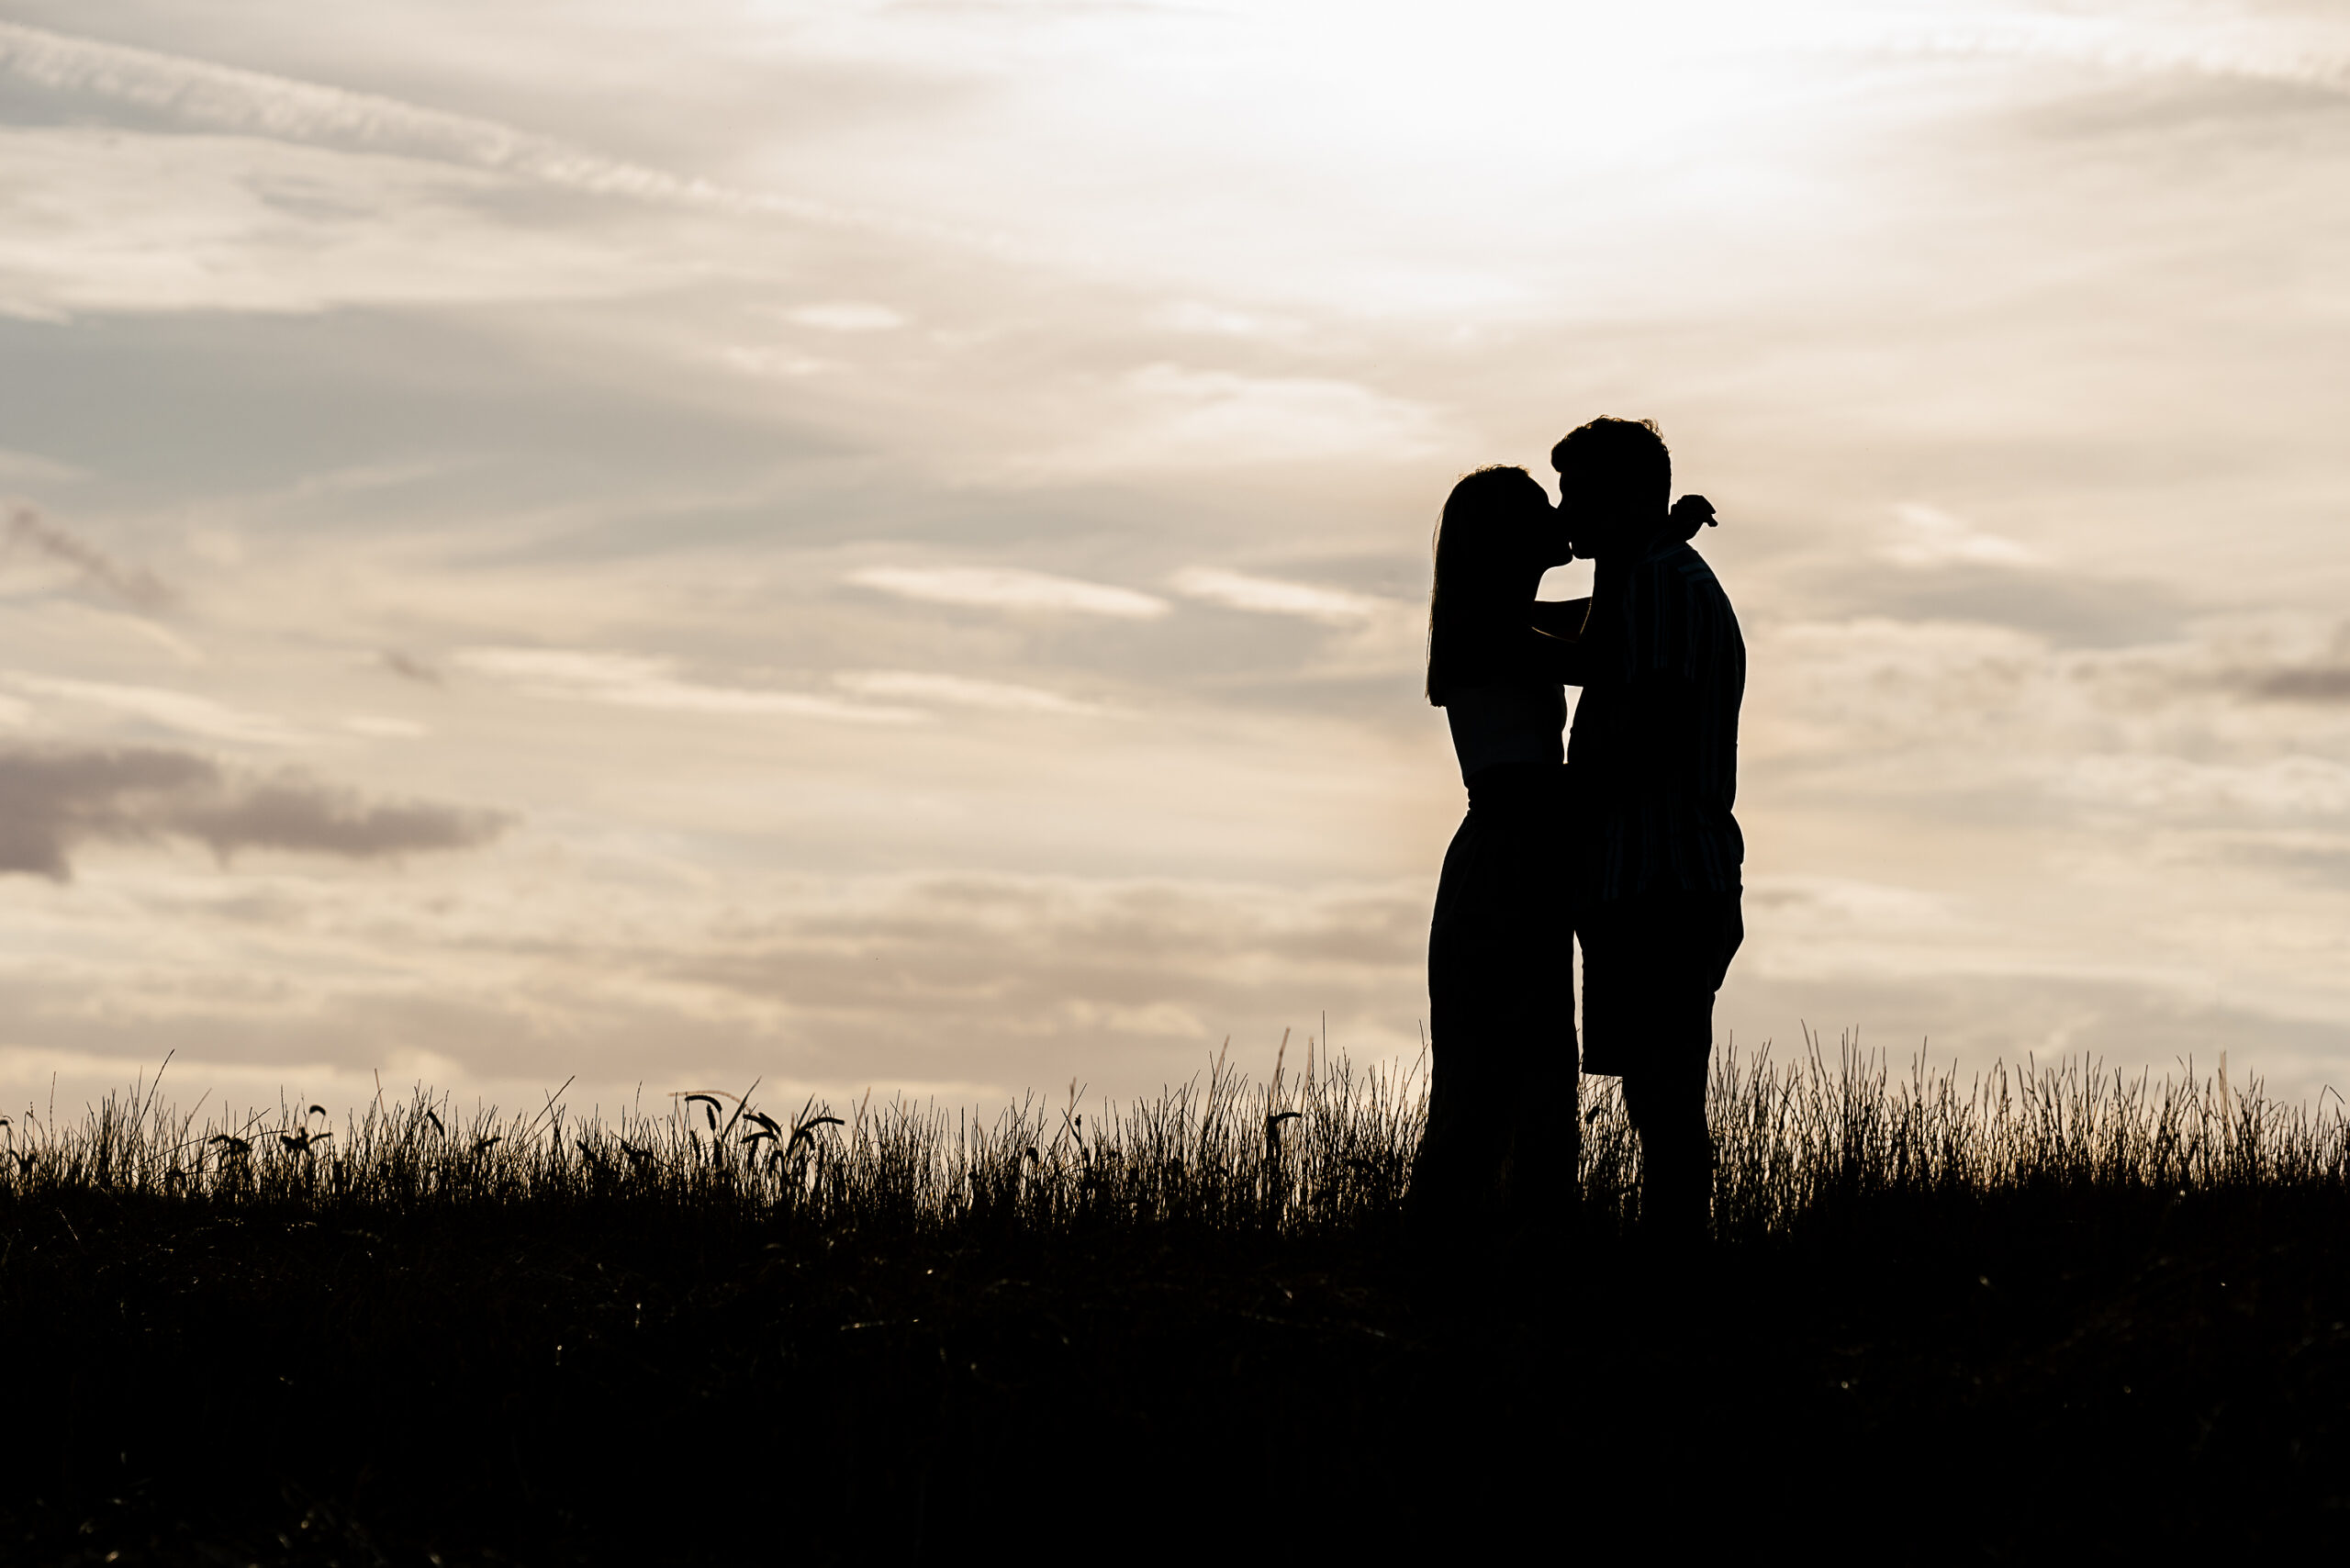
32, 466
2304, 51
54, 798
2310, 683
1272, 596
629, 680
1009, 588
181, 710
1182, 417
135, 585
847, 316
1199, 318
918, 686
408, 667
376, 726
260, 104
257, 103
2286, 785
772, 360
1928, 536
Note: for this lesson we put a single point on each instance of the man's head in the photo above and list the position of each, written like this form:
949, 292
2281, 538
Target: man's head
1615, 482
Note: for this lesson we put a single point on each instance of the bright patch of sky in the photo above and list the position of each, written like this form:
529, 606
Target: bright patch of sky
868, 543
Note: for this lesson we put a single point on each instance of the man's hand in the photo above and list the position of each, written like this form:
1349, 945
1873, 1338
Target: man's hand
1692, 513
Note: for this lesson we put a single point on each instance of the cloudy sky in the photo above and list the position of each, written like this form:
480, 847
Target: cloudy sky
886, 543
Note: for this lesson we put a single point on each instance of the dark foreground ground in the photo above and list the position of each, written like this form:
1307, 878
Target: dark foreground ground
2036, 1378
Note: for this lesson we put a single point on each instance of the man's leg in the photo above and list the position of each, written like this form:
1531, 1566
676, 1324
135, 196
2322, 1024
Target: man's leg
1666, 1098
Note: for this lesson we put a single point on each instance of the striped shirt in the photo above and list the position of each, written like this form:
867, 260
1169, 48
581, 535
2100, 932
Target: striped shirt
1653, 754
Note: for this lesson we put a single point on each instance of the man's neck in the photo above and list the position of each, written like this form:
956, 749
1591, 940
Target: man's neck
1642, 543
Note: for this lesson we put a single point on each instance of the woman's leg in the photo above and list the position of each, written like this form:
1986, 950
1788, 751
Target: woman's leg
1494, 1021
1545, 1186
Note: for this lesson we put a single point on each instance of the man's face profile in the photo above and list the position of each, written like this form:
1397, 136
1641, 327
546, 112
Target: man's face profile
1588, 529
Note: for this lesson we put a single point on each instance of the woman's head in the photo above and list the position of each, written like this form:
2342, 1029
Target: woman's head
1496, 537
1491, 530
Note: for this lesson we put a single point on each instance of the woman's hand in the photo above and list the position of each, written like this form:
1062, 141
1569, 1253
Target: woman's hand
1692, 513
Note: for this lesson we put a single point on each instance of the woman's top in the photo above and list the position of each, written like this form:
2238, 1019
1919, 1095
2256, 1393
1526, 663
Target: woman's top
1517, 722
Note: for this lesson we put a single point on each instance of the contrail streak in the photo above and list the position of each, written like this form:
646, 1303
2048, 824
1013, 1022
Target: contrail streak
259, 103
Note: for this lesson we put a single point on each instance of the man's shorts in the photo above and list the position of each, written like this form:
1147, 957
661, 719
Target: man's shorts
1651, 966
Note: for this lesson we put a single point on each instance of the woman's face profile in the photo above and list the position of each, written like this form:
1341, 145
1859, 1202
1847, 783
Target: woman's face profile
1546, 529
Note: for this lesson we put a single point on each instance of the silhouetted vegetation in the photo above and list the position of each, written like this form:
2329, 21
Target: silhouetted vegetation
2035, 1315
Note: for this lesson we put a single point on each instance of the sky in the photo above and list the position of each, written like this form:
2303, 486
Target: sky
859, 544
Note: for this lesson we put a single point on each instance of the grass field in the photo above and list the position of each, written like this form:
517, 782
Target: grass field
2039, 1315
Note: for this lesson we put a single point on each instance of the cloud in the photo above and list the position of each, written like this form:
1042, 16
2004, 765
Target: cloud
2222, 44
257, 103
1198, 320
98, 218
375, 726
410, 668
1007, 588
629, 680
847, 318
2287, 785
135, 585
1929, 537
961, 691
1189, 418
2311, 683
1034, 971
54, 799
773, 362
32, 466
1270, 596
181, 710
1846, 904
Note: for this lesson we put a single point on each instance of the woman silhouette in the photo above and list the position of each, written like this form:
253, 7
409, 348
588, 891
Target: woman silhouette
1501, 1139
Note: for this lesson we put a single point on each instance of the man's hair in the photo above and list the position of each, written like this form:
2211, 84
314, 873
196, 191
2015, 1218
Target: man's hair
1620, 461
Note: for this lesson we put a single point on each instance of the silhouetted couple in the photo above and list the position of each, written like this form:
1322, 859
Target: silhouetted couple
1624, 837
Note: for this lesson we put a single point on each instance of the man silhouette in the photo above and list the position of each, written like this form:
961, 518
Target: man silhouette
1652, 762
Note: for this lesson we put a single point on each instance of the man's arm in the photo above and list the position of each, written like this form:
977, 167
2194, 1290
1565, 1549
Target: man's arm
1560, 618
1554, 646
1555, 658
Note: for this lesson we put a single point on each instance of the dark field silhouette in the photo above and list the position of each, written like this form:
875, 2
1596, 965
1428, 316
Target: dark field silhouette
2037, 1316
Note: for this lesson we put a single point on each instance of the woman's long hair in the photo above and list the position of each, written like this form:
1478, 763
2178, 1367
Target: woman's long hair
1483, 545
